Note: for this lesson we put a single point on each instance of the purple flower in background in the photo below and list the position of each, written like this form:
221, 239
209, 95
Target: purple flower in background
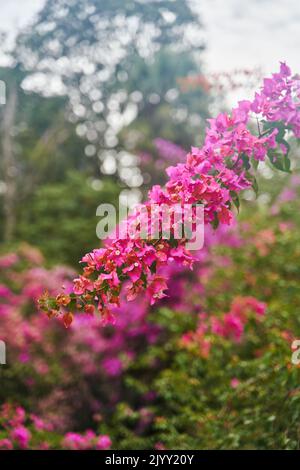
22, 436
287, 195
112, 366
169, 151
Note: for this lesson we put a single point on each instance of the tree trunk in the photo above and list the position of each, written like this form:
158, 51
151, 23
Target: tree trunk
9, 163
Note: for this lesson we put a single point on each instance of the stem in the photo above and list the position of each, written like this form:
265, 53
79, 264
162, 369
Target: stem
258, 127
157, 241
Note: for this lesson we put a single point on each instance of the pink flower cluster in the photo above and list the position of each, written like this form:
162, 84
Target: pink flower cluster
90, 353
186, 288
212, 176
278, 100
87, 441
230, 325
16, 422
27, 431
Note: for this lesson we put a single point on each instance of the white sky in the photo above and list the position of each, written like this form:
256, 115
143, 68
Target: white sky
17, 13
239, 33
251, 33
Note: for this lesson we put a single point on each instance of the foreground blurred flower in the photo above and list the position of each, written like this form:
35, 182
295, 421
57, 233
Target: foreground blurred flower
103, 443
29, 433
22, 436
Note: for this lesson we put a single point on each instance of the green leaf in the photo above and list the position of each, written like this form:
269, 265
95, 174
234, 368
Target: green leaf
287, 164
255, 163
246, 162
287, 145
253, 180
280, 161
215, 223
235, 200
280, 126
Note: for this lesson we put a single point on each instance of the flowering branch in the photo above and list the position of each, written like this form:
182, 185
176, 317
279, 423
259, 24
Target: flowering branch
212, 176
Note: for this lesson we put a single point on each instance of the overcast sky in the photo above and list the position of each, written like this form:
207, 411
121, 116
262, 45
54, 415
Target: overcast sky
16, 13
251, 33
239, 33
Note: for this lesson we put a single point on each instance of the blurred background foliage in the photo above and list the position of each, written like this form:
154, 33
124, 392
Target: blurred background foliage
92, 97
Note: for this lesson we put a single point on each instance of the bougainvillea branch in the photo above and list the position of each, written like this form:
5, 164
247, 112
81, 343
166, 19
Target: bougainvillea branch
212, 176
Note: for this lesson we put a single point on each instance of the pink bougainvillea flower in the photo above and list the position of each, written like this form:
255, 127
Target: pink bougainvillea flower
6, 444
234, 383
22, 436
103, 442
